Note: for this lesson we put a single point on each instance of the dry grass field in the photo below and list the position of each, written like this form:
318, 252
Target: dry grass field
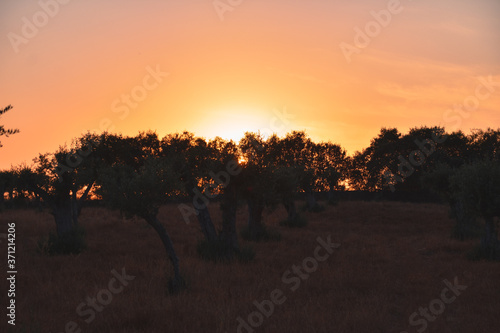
393, 259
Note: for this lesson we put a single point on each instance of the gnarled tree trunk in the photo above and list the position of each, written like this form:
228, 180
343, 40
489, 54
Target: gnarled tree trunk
202, 214
489, 242
229, 205
207, 227
332, 195
169, 249
63, 217
255, 209
290, 209
311, 200
66, 209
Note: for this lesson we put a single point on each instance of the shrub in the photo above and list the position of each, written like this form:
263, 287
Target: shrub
72, 242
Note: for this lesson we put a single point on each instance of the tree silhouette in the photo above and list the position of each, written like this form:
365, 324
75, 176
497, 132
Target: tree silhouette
258, 180
139, 174
301, 153
398, 161
4, 131
141, 191
477, 185
357, 171
193, 159
64, 180
286, 179
484, 144
381, 156
227, 155
438, 181
332, 165
7, 185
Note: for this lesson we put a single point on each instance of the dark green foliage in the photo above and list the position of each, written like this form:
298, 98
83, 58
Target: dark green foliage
217, 251
72, 242
298, 221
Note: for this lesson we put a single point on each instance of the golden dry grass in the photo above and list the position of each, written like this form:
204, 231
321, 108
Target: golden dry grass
392, 260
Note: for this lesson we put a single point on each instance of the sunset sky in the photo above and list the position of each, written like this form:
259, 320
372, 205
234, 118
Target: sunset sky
269, 65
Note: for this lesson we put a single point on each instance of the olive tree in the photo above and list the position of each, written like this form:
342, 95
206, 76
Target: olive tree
63, 180
141, 191
438, 181
258, 181
477, 186
195, 160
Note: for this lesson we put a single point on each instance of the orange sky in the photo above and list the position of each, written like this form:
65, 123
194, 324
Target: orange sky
265, 59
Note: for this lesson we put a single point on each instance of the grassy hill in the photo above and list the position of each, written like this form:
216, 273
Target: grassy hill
392, 260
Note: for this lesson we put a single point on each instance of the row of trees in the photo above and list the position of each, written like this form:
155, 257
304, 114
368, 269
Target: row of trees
463, 169
137, 175
392, 161
398, 161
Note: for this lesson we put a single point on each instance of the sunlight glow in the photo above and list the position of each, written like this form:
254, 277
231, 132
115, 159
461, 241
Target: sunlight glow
242, 160
232, 125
